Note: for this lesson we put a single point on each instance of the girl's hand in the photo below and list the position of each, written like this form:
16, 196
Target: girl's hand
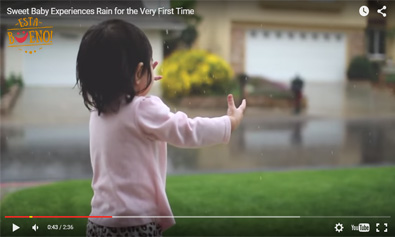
158, 77
235, 114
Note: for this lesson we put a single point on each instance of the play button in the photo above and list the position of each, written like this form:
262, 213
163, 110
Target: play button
14, 227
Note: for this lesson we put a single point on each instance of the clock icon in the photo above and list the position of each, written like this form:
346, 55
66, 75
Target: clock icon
364, 11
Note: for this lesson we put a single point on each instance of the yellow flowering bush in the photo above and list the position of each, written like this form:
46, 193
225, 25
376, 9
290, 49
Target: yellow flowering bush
195, 72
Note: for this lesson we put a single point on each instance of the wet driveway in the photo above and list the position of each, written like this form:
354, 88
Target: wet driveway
48, 153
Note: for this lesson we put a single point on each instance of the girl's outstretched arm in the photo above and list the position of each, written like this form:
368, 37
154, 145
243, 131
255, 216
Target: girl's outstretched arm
158, 123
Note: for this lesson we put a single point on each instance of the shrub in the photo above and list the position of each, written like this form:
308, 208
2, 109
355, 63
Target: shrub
14, 80
10, 81
361, 69
195, 72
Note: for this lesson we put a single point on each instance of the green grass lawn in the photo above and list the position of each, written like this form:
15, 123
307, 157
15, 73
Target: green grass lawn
390, 78
343, 192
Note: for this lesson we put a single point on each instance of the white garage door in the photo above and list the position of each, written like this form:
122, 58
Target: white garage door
281, 55
54, 65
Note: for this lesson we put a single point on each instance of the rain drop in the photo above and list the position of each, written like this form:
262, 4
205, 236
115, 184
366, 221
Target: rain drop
167, 46
260, 177
204, 91
167, 31
332, 152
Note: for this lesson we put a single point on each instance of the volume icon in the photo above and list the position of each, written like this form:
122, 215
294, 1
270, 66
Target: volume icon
35, 227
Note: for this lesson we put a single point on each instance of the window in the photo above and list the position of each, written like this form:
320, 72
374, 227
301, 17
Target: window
376, 43
326, 36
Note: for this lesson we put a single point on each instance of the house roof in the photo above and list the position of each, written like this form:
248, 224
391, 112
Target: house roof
157, 22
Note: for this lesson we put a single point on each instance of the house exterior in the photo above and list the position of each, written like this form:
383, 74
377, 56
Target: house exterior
55, 64
281, 39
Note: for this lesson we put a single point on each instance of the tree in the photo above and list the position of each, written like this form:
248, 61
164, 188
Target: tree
187, 36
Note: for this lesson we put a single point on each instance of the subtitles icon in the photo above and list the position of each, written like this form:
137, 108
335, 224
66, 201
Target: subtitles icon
362, 227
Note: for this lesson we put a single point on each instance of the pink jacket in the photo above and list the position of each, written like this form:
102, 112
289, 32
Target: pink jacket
129, 158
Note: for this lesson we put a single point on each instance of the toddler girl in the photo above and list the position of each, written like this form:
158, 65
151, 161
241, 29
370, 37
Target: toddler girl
129, 131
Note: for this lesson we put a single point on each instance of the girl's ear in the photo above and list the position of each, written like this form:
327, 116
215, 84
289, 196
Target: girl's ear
139, 73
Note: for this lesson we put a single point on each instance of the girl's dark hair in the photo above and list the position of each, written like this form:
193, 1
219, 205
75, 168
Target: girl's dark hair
106, 64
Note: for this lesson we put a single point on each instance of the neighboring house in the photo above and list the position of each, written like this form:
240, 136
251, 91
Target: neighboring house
281, 39
55, 65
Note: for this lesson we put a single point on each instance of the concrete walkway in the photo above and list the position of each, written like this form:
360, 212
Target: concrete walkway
62, 106
349, 100
47, 106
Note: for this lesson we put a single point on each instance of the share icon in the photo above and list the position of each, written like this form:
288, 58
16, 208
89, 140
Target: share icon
381, 11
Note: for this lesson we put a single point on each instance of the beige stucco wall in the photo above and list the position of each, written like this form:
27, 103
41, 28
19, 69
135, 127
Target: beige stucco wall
214, 30
391, 26
220, 18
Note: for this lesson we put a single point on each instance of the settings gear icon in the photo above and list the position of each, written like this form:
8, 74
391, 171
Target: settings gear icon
339, 227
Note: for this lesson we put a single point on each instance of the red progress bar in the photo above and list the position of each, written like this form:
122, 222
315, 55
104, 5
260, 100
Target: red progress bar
58, 216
